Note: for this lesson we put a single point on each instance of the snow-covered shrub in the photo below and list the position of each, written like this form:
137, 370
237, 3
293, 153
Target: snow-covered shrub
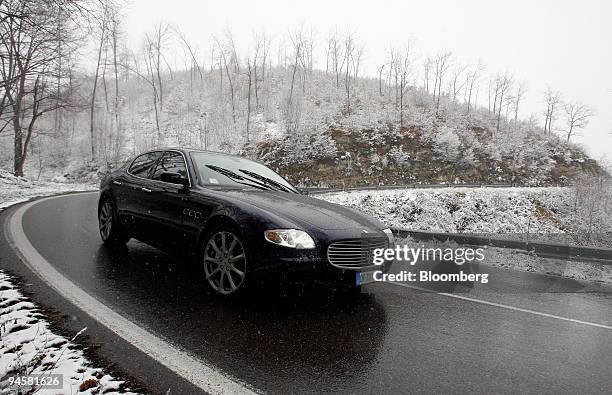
447, 144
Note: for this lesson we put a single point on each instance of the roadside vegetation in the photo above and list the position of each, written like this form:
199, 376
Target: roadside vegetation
570, 215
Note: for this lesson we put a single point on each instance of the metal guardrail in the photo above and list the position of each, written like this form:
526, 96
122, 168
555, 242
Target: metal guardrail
545, 250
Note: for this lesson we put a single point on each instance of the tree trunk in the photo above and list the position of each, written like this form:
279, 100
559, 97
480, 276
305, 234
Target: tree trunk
116, 102
18, 146
93, 98
249, 102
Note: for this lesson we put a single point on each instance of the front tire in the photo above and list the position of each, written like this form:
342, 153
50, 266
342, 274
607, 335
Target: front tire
224, 261
108, 224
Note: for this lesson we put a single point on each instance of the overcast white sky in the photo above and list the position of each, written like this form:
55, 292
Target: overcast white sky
565, 44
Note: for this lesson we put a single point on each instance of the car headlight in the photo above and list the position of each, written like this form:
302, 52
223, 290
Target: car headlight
390, 236
291, 238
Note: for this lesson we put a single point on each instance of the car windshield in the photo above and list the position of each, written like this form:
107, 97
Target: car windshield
224, 170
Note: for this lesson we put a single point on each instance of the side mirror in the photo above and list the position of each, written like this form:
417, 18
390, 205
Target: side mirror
174, 178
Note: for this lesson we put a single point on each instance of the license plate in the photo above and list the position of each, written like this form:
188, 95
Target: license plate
364, 278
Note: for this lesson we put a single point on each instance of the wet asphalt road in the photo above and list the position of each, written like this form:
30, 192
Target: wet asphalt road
308, 338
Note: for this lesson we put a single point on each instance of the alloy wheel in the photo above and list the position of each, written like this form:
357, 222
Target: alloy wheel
105, 219
224, 262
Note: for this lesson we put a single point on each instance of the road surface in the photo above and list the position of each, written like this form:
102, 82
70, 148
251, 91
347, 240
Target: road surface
521, 332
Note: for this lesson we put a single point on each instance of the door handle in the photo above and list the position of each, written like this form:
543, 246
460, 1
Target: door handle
117, 182
145, 189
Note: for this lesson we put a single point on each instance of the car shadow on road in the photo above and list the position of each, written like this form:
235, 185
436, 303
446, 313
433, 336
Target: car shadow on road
305, 328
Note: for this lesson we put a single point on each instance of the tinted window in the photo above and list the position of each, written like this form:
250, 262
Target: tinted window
142, 164
225, 170
171, 162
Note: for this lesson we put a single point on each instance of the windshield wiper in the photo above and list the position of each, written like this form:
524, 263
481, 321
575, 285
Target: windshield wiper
238, 178
267, 181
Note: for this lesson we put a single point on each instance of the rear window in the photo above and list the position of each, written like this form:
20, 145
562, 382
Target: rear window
142, 164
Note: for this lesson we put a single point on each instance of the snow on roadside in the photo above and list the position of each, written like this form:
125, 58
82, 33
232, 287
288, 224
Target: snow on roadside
19, 189
28, 346
468, 210
543, 213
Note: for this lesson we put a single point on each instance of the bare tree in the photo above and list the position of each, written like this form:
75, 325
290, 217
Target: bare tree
149, 60
157, 43
190, 49
261, 55
103, 27
457, 82
349, 62
334, 47
266, 41
297, 40
380, 70
472, 83
442, 64
427, 64
227, 51
518, 97
250, 79
357, 59
552, 100
115, 27
577, 117
257, 49
34, 79
504, 86
402, 64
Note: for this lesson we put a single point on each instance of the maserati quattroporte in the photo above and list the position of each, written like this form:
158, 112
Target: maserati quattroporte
237, 217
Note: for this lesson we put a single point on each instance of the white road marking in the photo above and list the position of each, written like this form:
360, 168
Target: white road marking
196, 371
503, 306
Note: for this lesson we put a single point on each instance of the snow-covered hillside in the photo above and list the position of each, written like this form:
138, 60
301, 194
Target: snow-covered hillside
553, 214
312, 138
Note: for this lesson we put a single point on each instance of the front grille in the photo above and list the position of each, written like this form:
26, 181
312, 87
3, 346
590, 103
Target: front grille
354, 254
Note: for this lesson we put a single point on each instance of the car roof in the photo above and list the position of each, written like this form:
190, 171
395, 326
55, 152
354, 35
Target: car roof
188, 150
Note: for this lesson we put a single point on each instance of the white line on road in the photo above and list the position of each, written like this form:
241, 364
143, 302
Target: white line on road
503, 306
188, 367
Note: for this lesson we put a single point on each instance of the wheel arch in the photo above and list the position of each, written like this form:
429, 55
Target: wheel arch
215, 220
106, 194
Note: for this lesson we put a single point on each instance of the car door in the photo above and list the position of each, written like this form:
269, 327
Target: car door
136, 187
168, 200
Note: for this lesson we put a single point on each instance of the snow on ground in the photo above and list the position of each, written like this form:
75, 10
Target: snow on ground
547, 214
29, 347
19, 189
27, 344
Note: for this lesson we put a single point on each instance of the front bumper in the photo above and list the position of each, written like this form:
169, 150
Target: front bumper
272, 258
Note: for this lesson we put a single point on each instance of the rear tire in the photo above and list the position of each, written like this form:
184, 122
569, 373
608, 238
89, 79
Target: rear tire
223, 260
111, 231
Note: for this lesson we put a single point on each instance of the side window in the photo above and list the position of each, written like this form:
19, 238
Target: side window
171, 162
142, 164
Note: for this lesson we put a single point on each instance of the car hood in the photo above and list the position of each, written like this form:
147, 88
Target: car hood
302, 208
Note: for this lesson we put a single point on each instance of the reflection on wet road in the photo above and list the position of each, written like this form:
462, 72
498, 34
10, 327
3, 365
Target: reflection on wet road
303, 338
